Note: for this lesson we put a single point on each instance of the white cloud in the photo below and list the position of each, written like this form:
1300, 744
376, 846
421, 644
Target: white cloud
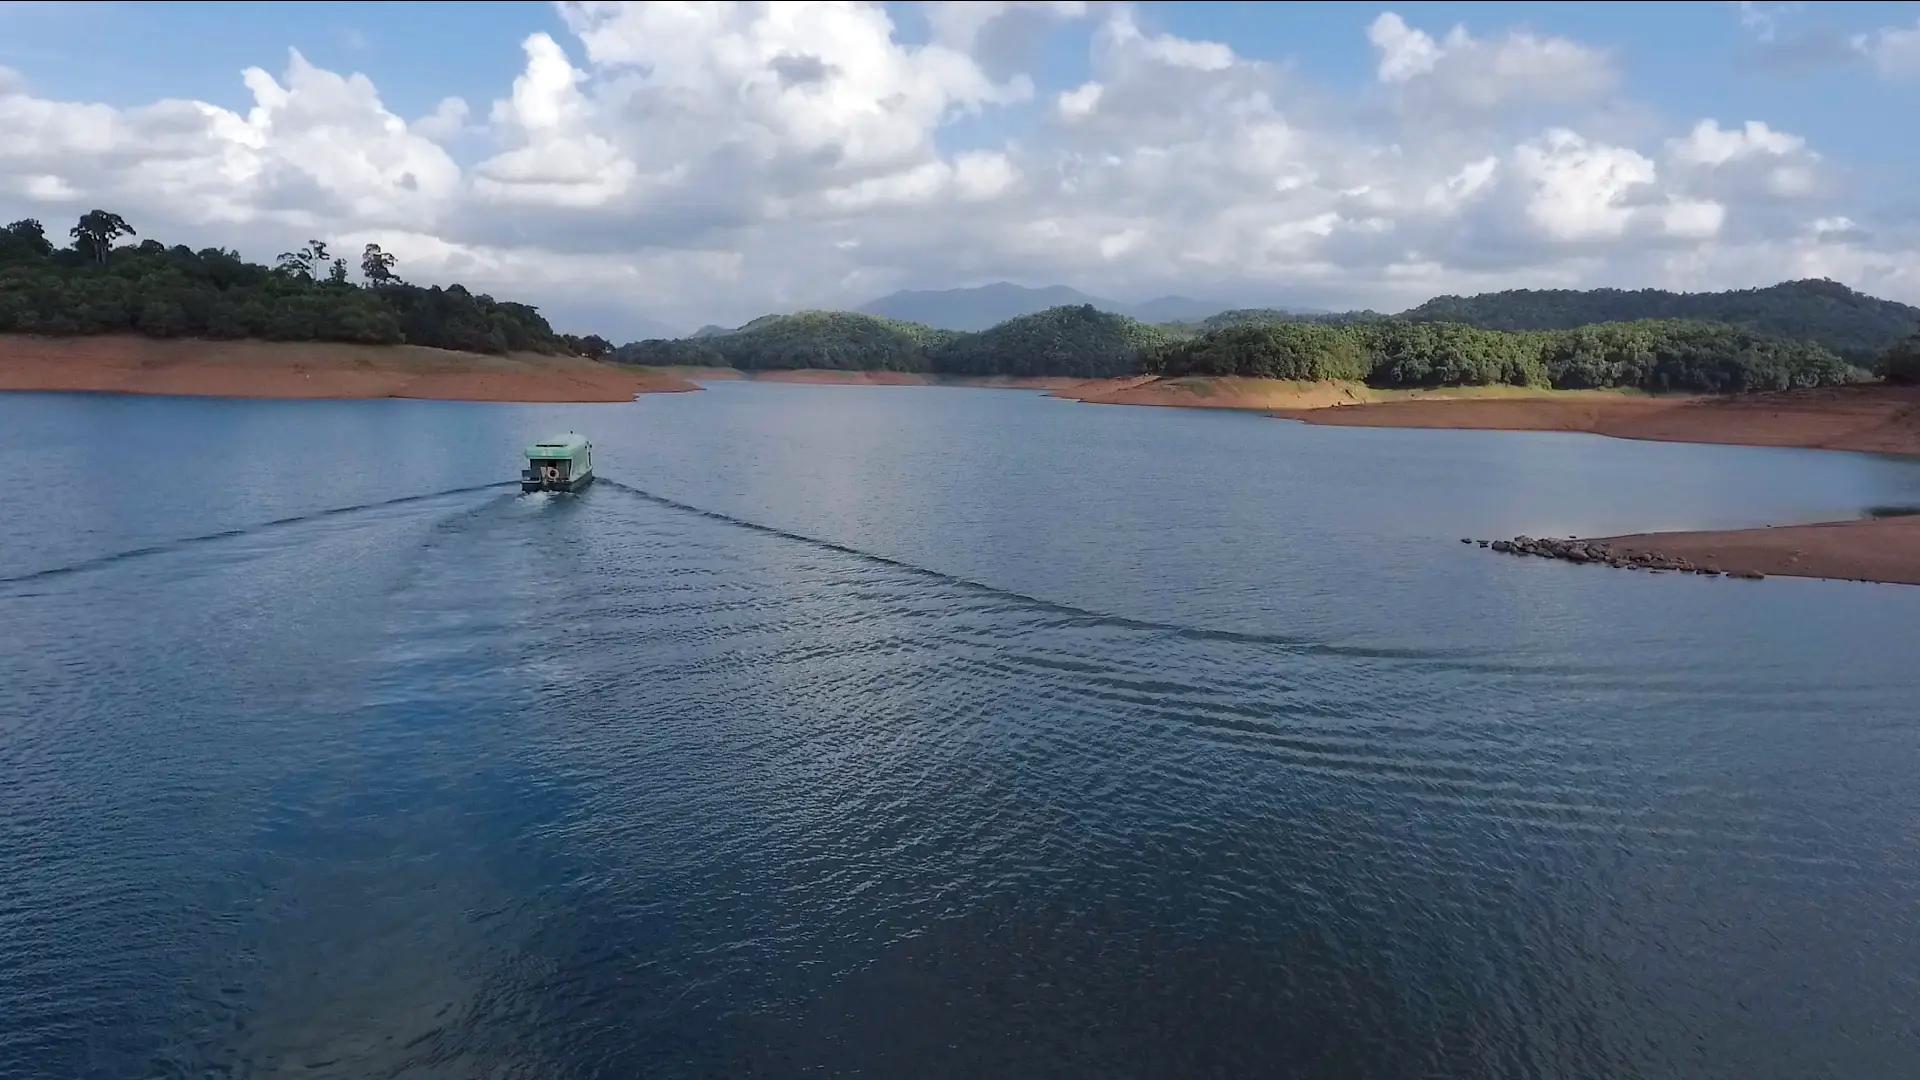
1168, 49
1404, 52
780, 80
1754, 159
1894, 51
1692, 219
447, 120
958, 24
1580, 190
707, 163
560, 159
1710, 144
316, 148
1462, 187
1080, 101
1468, 72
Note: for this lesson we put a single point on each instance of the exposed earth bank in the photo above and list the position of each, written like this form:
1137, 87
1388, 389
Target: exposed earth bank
1870, 418
1885, 549
125, 364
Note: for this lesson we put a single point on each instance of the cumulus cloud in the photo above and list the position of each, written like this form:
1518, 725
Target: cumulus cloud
710, 162
1464, 71
1577, 189
1711, 145
447, 120
1894, 51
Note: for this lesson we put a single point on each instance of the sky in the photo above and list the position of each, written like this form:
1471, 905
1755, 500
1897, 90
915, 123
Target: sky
634, 169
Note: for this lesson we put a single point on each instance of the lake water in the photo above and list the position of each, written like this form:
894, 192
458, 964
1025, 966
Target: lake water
932, 732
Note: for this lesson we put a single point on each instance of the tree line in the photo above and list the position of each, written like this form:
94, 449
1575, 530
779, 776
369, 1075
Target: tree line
1856, 327
1084, 342
1077, 340
1650, 354
98, 285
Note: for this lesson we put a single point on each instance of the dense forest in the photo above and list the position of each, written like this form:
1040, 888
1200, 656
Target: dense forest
1085, 342
1076, 341
98, 286
834, 340
1853, 325
1645, 355
1243, 316
1080, 341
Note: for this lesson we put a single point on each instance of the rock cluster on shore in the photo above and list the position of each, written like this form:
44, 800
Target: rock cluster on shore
1589, 551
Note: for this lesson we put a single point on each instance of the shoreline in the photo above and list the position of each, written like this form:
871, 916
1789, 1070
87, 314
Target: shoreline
1883, 550
1870, 418
309, 370
1874, 419
1862, 419
836, 377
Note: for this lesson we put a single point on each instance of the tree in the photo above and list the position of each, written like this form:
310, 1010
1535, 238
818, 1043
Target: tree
295, 264
337, 273
1901, 364
96, 232
28, 236
319, 250
377, 266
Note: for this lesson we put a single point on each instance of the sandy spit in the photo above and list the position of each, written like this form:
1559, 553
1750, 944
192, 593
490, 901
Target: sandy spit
1873, 549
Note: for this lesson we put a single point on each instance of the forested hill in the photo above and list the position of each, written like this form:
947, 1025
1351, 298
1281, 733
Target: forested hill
98, 285
1075, 340
1082, 341
1853, 325
832, 340
1659, 355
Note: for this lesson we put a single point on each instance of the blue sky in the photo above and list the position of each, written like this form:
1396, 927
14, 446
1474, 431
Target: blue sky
985, 165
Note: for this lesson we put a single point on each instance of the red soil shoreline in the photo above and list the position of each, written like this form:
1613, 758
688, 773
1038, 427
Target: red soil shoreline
1871, 419
124, 364
1865, 419
1871, 549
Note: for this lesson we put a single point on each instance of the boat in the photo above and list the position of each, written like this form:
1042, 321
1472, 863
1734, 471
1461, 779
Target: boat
559, 463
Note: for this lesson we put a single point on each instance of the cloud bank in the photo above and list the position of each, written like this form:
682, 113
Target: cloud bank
687, 163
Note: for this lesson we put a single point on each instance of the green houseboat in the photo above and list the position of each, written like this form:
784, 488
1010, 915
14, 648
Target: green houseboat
561, 463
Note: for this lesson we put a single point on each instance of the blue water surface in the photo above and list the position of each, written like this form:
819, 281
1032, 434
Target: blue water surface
929, 731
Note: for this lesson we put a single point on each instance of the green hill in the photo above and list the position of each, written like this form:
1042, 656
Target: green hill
1648, 355
1853, 325
98, 287
834, 340
1080, 341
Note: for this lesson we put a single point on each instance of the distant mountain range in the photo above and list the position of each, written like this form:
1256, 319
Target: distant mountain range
1854, 325
990, 305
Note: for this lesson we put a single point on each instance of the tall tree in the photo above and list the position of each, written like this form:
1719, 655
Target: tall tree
377, 266
29, 234
296, 264
337, 272
96, 232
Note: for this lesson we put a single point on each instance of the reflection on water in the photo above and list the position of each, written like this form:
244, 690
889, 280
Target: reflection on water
934, 731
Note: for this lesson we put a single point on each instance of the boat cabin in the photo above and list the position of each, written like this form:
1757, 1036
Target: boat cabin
560, 463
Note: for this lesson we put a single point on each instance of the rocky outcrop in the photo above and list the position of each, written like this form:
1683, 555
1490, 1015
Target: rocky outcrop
1590, 551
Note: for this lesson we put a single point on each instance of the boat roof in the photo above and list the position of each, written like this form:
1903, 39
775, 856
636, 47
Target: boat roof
568, 445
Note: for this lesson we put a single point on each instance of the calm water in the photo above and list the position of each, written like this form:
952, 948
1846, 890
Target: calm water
932, 731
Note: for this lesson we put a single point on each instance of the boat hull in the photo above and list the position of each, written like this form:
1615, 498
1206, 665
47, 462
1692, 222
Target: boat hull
570, 484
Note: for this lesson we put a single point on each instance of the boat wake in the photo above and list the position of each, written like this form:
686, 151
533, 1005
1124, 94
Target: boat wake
1073, 615
102, 561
